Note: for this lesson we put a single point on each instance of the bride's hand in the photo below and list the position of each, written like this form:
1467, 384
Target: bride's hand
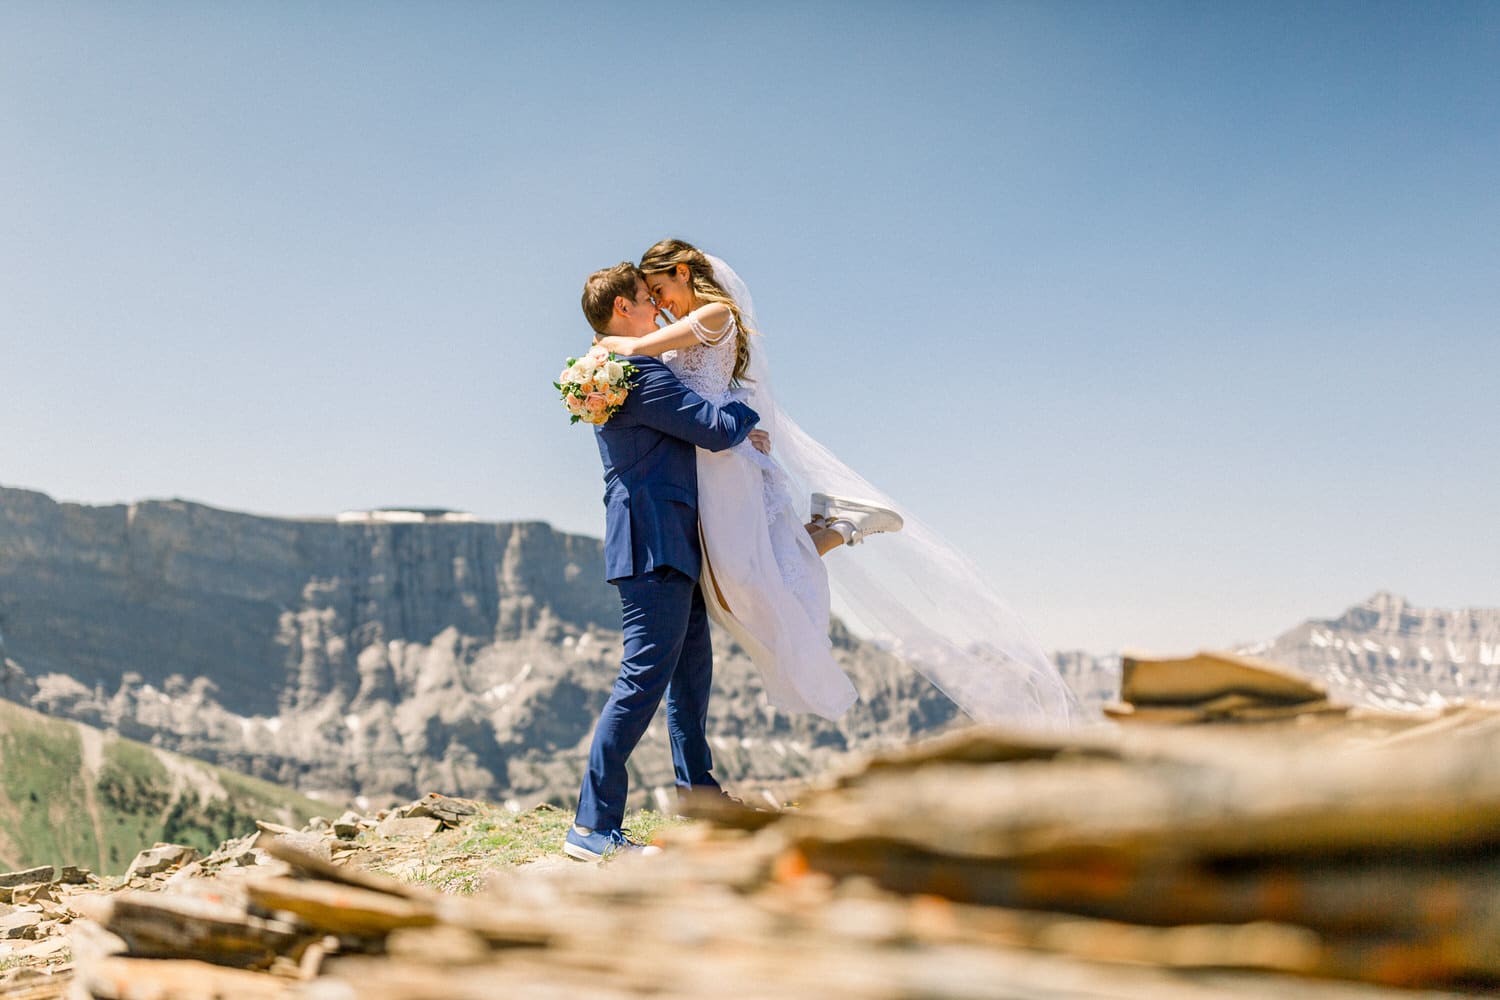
618, 345
760, 441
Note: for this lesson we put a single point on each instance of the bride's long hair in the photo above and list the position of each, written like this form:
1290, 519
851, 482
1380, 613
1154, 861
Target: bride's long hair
666, 255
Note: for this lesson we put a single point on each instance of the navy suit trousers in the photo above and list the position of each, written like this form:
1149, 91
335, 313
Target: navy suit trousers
667, 652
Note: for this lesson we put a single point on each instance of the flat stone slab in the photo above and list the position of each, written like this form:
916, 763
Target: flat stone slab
161, 858
46, 873
45, 949
347, 826
36, 893
162, 925
180, 979
1209, 675
73, 875
21, 924
341, 909
317, 844
450, 810
396, 827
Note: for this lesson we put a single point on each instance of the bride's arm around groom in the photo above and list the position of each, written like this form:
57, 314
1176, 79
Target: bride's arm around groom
658, 400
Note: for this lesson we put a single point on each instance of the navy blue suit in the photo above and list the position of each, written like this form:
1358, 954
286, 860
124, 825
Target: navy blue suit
652, 554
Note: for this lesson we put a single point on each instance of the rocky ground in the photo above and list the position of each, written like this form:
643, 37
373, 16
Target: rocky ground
1277, 844
435, 844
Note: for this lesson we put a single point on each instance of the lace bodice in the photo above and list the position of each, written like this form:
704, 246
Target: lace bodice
706, 367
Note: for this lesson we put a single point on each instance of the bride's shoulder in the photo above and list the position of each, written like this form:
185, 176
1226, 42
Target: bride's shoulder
715, 317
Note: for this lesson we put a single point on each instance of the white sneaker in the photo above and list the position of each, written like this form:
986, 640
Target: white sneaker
862, 517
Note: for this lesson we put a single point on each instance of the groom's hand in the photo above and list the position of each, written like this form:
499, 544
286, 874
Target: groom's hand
760, 441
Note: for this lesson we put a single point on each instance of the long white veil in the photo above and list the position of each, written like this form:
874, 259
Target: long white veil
912, 592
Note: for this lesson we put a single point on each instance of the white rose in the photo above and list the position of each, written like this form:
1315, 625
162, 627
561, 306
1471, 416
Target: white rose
587, 365
614, 371
601, 380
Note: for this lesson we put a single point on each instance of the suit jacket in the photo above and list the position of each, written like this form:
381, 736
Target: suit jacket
651, 470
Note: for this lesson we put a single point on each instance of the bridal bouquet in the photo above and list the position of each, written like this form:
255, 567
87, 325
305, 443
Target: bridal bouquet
594, 386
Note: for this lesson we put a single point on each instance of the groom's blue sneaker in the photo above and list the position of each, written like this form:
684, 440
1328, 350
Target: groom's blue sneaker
596, 845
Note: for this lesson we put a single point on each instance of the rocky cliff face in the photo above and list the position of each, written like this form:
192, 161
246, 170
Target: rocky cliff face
1382, 653
371, 659
1386, 653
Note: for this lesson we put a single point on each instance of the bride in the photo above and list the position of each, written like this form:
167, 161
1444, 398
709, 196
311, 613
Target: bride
764, 581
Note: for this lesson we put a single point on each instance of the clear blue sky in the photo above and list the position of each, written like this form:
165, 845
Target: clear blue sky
1186, 315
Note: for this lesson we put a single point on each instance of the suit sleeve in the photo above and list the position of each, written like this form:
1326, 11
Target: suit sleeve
664, 403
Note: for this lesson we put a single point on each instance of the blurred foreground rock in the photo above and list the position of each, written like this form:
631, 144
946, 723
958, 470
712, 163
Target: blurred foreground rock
180, 925
1308, 852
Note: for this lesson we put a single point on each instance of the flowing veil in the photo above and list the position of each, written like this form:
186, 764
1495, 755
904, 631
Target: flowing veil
913, 593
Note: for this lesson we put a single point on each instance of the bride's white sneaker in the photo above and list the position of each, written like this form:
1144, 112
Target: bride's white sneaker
854, 519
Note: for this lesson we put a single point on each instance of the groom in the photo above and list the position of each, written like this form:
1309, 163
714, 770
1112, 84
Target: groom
651, 553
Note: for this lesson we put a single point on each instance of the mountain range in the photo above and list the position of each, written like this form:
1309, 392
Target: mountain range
1386, 653
383, 657
371, 657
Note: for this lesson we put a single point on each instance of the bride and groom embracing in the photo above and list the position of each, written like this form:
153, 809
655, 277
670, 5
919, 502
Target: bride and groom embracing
700, 471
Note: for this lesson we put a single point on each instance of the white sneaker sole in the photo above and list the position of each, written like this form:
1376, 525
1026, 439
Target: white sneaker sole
577, 853
877, 519
584, 854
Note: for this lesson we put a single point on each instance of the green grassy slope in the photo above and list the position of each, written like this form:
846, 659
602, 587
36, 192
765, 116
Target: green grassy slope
71, 795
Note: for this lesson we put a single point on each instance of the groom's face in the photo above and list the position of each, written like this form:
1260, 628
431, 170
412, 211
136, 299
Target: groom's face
641, 316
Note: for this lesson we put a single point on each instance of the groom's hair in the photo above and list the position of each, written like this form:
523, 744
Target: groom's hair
602, 288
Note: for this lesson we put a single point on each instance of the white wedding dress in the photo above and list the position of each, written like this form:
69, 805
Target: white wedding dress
913, 593
762, 578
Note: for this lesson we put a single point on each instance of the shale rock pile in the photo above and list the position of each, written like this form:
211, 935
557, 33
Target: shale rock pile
33, 919
1327, 853
169, 902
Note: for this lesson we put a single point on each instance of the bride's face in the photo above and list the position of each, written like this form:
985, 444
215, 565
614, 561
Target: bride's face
672, 290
